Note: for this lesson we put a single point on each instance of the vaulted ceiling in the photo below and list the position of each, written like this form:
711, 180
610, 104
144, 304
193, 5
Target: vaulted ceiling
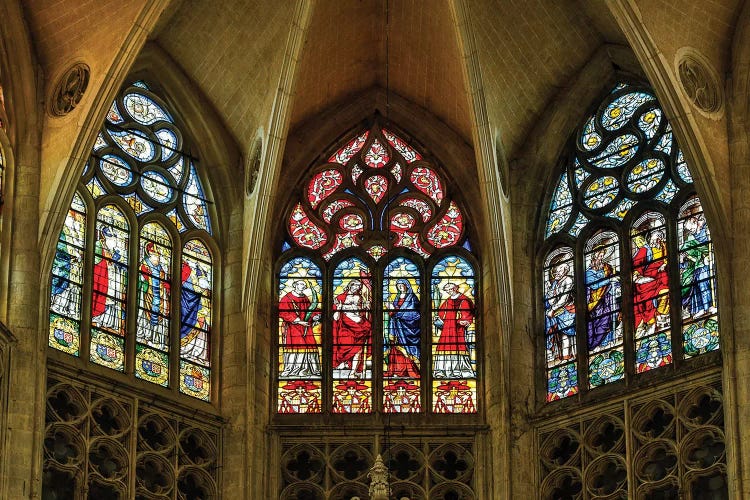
234, 50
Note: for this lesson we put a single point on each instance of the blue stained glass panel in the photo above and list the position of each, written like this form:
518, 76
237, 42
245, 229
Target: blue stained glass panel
116, 170
653, 352
645, 175
622, 109
144, 110
560, 207
649, 122
195, 202
617, 152
601, 192
134, 143
665, 143
590, 139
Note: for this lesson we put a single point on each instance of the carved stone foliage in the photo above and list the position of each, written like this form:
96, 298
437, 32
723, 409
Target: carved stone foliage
673, 445
69, 89
699, 81
105, 446
417, 468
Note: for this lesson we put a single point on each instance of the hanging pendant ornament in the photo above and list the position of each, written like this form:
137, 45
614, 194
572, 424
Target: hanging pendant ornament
379, 487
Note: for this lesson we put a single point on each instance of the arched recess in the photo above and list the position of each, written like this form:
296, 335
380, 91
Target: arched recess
633, 404
195, 247
309, 146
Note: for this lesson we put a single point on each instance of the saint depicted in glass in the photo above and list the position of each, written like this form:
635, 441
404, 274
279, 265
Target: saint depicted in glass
154, 287
625, 189
559, 320
110, 271
299, 315
453, 336
351, 319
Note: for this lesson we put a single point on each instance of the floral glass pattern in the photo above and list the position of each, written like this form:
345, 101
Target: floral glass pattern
143, 190
625, 190
359, 248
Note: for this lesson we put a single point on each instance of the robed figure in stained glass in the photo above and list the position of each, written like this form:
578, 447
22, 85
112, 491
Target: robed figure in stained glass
64, 299
299, 315
195, 312
402, 342
454, 316
351, 329
695, 268
154, 290
108, 283
601, 282
649, 281
560, 316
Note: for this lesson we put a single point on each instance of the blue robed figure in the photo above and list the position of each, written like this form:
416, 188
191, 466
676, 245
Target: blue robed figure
402, 344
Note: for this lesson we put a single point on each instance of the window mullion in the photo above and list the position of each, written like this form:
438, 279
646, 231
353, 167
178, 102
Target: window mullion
131, 306
582, 345
627, 304
87, 285
675, 290
174, 316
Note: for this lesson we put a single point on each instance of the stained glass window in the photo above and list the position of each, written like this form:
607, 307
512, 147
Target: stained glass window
625, 207
370, 319
148, 305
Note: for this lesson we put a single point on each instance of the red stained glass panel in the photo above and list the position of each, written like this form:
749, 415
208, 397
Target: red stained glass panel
322, 185
399, 145
377, 156
305, 232
344, 154
448, 230
335, 207
376, 186
427, 181
420, 206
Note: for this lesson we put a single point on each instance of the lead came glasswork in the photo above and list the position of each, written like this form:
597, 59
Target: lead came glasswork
154, 286
601, 192
67, 280
453, 336
389, 220
110, 272
352, 337
559, 318
561, 206
603, 303
322, 185
645, 175
633, 206
300, 328
617, 152
622, 109
134, 143
377, 156
402, 337
697, 280
116, 170
144, 110
651, 316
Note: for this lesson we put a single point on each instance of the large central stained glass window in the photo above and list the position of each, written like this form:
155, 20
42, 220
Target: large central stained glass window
132, 277
376, 287
628, 274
